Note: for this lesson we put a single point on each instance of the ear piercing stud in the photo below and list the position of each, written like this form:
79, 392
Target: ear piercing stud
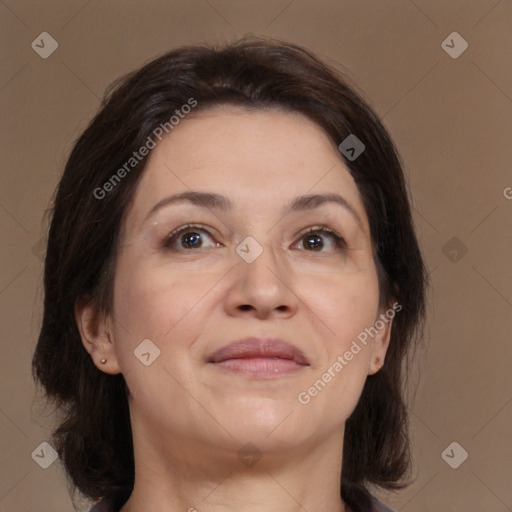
103, 361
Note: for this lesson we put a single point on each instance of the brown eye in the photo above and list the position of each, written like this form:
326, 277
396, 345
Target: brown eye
315, 240
187, 238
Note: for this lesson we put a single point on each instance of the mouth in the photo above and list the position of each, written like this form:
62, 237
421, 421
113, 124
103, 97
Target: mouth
259, 357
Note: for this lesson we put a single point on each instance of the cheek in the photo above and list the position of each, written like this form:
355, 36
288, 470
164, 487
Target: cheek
159, 304
344, 304
348, 305
150, 301
154, 304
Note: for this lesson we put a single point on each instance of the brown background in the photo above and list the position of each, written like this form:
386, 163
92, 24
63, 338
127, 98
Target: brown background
451, 120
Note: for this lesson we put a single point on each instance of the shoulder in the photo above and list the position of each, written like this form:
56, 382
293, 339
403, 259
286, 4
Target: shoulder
102, 506
113, 503
378, 506
105, 505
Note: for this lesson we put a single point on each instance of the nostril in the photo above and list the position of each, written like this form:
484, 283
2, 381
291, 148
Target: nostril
245, 307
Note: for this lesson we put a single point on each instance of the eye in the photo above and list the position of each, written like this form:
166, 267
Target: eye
313, 239
187, 237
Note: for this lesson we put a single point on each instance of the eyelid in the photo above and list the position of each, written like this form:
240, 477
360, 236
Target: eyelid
322, 228
183, 229
319, 227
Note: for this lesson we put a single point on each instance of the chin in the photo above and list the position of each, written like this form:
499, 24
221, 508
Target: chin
268, 425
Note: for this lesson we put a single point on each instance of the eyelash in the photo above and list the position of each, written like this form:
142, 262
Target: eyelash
175, 234
324, 230
320, 229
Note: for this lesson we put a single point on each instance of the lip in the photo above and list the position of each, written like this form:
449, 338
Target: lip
259, 356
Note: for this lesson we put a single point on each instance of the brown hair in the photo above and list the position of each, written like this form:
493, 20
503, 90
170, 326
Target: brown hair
94, 438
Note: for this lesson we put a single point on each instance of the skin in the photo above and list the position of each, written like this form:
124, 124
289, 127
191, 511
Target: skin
191, 418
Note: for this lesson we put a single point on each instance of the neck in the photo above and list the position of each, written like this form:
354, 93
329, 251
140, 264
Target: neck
178, 479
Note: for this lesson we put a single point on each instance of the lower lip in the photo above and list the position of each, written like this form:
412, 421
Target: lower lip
260, 366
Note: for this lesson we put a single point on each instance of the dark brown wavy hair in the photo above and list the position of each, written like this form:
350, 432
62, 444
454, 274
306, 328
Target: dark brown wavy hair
94, 438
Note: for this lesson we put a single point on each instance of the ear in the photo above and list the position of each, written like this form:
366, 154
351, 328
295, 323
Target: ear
380, 342
97, 336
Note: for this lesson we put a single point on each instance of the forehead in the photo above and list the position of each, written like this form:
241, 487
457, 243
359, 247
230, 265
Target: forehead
258, 158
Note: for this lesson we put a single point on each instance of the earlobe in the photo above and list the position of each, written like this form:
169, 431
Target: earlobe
96, 335
380, 344
375, 365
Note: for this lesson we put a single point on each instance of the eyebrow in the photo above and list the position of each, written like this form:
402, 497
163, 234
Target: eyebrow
219, 202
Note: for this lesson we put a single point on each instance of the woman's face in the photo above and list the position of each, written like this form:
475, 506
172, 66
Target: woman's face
246, 269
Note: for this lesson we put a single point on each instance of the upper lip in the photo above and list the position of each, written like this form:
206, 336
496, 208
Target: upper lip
258, 347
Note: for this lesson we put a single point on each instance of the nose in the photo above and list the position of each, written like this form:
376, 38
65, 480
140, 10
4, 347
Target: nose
261, 289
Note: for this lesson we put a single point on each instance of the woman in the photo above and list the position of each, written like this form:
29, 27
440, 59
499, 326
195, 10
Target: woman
232, 286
